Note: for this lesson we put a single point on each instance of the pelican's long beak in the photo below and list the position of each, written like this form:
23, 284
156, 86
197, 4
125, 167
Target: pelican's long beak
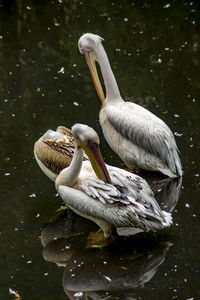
90, 59
93, 152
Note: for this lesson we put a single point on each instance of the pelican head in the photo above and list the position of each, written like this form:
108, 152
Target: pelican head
86, 138
89, 45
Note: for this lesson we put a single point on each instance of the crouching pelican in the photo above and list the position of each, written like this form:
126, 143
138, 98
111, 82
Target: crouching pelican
54, 151
109, 196
139, 137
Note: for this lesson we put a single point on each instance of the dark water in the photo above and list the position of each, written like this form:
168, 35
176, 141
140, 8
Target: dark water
153, 47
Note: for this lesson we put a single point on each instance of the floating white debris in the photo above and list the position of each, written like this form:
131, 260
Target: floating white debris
46, 274
177, 134
29, 262
12, 292
187, 205
7, 174
76, 103
32, 195
176, 116
166, 5
107, 278
62, 70
78, 294
125, 19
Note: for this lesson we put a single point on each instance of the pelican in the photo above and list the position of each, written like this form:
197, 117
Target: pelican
109, 196
141, 139
54, 151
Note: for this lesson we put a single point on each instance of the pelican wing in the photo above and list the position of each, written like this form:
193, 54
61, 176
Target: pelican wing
135, 196
138, 188
146, 131
98, 189
60, 146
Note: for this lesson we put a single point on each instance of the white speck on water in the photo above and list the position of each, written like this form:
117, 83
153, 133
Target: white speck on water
28, 8
7, 174
177, 134
16, 229
1, 36
62, 70
159, 190
12, 292
107, 278
78, 294
37, 216
76, 103
125, 19
32, 195
196, 175
74, 65
13, 115
159, 60
105, 262
46, 274
187, 205
176, 116
29, 262
6, 100
73, 275
72, 76
166, 5
194, 216
167, 49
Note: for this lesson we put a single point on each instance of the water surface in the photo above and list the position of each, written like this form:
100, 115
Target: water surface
153, 47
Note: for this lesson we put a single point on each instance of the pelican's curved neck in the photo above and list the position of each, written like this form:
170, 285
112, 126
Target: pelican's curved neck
112, 90
69, 175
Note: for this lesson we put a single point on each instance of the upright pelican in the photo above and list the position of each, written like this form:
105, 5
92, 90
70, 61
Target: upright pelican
139, 137
54, 151
111, 198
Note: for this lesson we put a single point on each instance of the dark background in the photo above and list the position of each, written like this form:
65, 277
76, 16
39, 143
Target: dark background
153, 47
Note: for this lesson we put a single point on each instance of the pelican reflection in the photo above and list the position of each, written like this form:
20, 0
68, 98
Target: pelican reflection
117, 269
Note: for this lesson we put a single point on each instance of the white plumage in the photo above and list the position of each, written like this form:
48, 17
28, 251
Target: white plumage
124, 200
139, 137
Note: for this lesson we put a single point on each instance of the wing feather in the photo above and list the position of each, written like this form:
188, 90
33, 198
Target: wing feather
146, 131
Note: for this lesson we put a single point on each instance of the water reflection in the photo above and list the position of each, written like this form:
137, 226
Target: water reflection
167, 192
113, 271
